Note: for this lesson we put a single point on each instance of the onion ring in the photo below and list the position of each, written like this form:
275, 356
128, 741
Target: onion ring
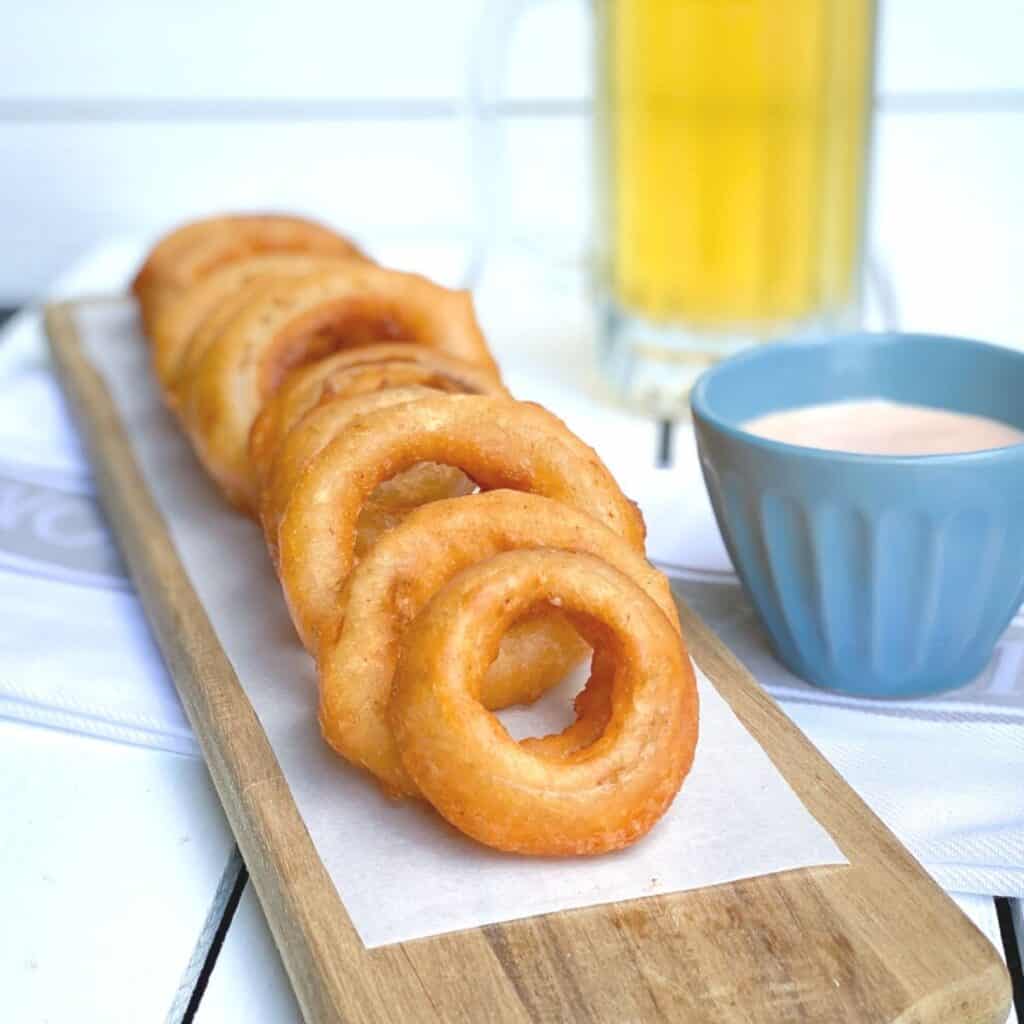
176, 322
193, 250
357, 660
389, 503
497, 442
207, 333
598, 798
352, 372
298, 321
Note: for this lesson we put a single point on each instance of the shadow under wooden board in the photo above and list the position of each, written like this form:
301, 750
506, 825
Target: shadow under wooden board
874, 941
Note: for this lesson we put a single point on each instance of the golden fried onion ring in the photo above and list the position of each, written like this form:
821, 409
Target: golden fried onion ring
298, 321
497, 442
403, 571
598, 798
210, 330
390, 502
176, 322
352, 372
193, 250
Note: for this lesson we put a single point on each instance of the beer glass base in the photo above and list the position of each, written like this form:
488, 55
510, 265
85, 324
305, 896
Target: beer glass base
652, 366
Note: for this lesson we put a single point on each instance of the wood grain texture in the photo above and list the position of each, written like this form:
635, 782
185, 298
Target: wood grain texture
875, 941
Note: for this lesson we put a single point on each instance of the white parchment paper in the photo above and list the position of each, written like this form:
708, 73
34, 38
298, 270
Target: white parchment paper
401, 872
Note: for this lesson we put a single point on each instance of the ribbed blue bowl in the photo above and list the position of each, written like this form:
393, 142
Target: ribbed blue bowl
883, 576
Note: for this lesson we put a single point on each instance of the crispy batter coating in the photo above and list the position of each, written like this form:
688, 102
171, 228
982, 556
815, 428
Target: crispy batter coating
191, 251
175, 323
407, 567
597, 798
390, 501
498, 443
353, 372
292, 322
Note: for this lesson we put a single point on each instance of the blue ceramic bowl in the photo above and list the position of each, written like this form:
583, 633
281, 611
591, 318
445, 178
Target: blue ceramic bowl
883, 576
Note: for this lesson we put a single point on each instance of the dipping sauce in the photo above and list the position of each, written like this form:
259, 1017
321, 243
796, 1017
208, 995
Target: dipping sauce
879, 427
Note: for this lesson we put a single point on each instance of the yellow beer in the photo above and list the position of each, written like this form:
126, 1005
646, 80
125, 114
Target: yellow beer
732, 157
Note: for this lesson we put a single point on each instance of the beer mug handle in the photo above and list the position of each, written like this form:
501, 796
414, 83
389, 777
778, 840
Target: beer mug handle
485, 82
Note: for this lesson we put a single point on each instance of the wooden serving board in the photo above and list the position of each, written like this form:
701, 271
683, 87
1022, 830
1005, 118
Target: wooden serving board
874, 941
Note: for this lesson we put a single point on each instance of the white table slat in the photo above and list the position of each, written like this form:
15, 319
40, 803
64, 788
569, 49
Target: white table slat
110, 857
952, 273
194, 50
248, 982
948, 221
417, 170
396, 49
946, 46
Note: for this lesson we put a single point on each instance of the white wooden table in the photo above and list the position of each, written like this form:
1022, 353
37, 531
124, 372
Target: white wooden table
123, 895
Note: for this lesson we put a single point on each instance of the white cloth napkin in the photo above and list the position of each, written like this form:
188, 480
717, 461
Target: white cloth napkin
944, 773
75, 649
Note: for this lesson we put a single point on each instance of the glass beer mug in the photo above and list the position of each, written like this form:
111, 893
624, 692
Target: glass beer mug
731, 146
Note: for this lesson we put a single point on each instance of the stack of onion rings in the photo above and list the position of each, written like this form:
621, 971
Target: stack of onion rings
389, 502
353, 372
497, 442
175, 323
192, 251
406, 568
295, 321
357, 410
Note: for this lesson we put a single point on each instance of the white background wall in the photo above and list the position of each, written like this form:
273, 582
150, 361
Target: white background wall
119, 118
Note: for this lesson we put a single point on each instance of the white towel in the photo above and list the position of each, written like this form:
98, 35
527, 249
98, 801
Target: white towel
75, 650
